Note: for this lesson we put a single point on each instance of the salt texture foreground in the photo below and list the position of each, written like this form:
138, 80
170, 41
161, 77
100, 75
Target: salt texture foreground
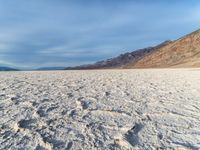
104, 109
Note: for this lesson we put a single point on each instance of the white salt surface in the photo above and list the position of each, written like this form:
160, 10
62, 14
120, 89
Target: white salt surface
104, 109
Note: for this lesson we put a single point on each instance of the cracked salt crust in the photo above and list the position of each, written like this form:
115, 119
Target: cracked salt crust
104, 109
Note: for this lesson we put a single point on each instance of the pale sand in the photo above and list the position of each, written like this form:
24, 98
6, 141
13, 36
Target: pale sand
105, 109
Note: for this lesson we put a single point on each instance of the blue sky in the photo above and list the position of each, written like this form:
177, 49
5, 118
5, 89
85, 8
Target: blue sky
38, 33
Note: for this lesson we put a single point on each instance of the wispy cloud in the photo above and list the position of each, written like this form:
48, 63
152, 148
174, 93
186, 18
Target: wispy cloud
63, 33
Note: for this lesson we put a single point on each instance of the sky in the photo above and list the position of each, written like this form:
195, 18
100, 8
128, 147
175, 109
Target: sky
44, 33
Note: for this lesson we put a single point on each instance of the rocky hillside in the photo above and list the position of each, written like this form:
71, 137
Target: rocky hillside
122, 60
184, 52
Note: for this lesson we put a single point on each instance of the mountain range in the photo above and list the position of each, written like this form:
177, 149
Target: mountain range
50, 68
183, 52
3, 68
180, 53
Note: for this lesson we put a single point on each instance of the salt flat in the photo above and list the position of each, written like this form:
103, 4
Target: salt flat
104, 109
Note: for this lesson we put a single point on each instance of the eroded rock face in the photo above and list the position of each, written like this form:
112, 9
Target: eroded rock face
184, 52
105, 109
123, 59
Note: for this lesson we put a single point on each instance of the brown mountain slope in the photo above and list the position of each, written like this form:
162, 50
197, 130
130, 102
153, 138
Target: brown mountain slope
184, 52
121, 60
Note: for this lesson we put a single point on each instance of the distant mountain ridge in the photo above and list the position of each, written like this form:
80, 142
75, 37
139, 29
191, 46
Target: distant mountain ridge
4, 68
50, 68
121, 60
183, 52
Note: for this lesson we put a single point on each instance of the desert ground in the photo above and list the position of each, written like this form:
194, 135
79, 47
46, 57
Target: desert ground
100, 109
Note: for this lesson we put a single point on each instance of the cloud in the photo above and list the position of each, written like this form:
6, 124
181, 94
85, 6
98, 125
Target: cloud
63, 33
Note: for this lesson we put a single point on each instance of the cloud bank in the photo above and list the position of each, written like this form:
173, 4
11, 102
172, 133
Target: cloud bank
39, 33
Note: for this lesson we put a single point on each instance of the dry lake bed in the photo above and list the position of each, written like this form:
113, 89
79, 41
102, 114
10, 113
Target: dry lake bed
100, 109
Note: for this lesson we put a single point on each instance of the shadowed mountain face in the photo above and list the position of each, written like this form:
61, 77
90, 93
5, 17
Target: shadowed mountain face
184, 52
123, 59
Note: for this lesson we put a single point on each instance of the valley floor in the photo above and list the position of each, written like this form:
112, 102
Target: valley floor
100, 109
